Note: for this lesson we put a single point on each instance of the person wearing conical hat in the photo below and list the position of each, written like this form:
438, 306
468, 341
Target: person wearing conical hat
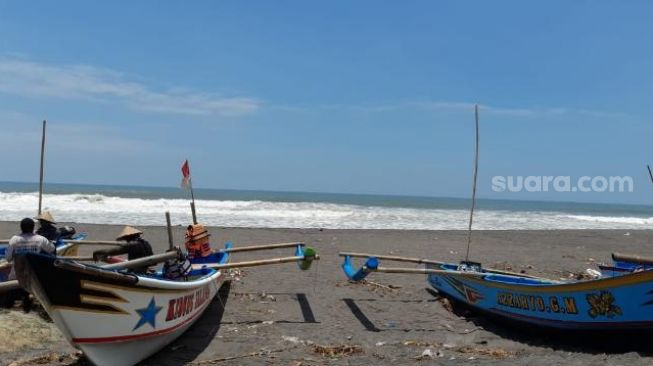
46, 226
128, 233
135, 247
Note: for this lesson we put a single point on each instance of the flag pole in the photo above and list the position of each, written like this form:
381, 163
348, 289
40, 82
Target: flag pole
192, 202
185, 170
41, 170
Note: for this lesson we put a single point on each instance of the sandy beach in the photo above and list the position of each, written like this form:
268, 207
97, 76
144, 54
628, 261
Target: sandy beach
278, 315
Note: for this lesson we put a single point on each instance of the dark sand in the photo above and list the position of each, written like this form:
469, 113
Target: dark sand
282, 313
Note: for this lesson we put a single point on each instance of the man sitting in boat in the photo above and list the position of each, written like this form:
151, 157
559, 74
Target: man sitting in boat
135, 247
48, 229
26, 242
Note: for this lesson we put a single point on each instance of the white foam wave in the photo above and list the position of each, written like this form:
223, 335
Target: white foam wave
97, 208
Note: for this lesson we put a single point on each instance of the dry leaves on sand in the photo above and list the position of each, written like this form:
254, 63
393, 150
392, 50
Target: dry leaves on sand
337, 350
375, 286
215, 361
489, 352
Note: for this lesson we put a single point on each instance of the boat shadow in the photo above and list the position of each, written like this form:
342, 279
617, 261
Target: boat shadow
308, 316
370, 326
197, 338
591, 342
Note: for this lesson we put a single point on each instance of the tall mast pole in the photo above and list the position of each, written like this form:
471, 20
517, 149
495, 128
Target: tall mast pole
471, 212
41, 171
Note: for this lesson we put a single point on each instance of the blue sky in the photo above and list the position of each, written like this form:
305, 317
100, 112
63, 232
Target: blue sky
332, 96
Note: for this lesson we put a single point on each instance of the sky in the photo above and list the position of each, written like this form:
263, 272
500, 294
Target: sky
328, 96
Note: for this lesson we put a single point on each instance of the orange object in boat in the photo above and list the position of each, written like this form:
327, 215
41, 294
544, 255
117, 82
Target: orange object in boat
197, 241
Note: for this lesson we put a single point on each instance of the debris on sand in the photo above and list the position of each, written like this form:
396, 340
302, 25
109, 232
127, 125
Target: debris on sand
337, 351
502, 266
34, 332
429, 354
414, 343
497, 353
446, 303
76, 358
215, 361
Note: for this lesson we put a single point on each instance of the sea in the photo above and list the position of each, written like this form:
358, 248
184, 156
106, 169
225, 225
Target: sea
105, 204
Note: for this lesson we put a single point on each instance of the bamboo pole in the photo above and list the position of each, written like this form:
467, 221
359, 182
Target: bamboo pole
8, 286
41, 170
259, 247
96, 242
80, 268
632, 258
145, 261
426, 261
471, 212
409, 270
255, 263
78, 258
390, 258
83, 242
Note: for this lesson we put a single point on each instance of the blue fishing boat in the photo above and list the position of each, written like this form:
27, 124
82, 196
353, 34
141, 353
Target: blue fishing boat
623, 302
624, 264
64, 248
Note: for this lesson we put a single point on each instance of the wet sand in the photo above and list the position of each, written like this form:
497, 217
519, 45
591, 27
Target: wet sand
278, 315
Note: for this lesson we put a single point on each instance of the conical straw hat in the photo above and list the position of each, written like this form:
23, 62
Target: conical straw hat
46, 216
128, 231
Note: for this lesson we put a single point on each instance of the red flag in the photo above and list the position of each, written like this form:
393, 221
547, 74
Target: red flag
185, 171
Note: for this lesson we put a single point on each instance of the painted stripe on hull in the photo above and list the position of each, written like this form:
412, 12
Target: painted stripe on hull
143, 335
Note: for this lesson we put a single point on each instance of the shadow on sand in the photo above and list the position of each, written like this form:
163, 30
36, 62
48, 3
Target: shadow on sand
564, 340
195, 340
304, 306
595, 342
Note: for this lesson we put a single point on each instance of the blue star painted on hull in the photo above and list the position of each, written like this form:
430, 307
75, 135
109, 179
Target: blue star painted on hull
148, 314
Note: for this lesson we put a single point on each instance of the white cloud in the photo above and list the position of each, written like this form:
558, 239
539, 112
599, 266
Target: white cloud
28, 78
454, 106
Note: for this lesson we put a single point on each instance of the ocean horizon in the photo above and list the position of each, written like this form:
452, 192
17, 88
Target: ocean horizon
140, 205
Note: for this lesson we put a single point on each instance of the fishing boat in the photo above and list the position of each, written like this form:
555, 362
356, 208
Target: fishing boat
64, 248
618, 303
624, 264
623, 302
118, 317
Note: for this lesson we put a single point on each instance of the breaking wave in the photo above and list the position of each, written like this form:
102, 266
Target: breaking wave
101, 209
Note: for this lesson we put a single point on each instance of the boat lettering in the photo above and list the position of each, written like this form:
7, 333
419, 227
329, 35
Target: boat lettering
185, 305
552, 304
